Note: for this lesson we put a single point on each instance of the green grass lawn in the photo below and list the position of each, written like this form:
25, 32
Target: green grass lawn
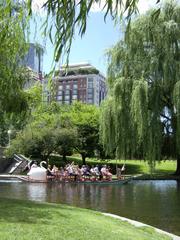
133, 167
21, 220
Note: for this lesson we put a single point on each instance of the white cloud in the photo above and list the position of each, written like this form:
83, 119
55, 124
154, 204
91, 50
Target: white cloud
37, 6
145, 5
98, 7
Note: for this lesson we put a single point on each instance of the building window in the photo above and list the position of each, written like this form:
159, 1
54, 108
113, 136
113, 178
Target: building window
67, 97
60, 92
59, 98
90, 90
74, 91
90, 85
67, 86
90, 82
60, 87
75, 86
90, 100
74, 97
67, 92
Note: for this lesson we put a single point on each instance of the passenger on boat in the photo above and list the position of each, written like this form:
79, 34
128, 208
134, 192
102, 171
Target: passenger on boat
75, 171
79, 174
70, 172
94, 172
66, 173
109, 174
55, 171
103, 171
61, 174
50, 174
118, 173
106, 173
100, 173
85, 172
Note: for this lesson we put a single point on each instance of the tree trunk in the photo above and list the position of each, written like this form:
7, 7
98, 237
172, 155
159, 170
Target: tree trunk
64, 158
83, 159
177, 173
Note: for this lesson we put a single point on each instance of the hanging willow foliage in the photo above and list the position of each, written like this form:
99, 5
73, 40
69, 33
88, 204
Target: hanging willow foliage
176, 98
139, 107
69, 16
123, 125
107, 132
144, 73
12, 50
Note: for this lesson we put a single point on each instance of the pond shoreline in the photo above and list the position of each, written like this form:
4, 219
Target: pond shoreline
155, 177
134, 200
140, 224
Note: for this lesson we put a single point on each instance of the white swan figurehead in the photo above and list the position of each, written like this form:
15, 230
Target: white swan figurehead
38, 173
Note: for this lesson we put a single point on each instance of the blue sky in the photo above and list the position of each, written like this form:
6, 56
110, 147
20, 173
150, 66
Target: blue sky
98, 37
91, 47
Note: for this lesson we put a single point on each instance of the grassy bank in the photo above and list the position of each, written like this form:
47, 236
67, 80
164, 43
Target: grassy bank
133, 167
21, 220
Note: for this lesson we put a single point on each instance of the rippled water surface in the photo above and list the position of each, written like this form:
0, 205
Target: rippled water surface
153, 202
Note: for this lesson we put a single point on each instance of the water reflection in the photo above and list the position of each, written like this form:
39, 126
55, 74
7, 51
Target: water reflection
153, 202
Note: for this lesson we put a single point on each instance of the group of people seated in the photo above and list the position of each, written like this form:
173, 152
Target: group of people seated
72, 172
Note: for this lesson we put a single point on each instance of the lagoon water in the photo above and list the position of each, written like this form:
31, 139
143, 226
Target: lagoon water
152, 202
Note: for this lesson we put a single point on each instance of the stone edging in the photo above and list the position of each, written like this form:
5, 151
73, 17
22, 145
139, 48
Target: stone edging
139, 224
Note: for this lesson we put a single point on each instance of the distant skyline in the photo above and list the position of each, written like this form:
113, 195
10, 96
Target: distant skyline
91, 47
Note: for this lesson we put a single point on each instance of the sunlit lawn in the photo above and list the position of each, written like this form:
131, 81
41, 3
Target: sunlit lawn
137, 166
132, 166
24, 220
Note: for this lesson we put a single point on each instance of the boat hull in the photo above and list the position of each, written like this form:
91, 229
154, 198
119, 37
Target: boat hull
88, 182
113, 182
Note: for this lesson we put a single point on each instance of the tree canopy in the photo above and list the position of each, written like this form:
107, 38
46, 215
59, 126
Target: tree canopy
142, 112
59, 129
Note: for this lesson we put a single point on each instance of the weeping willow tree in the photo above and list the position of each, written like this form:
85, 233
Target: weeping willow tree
13, 33
12, 50
142, 112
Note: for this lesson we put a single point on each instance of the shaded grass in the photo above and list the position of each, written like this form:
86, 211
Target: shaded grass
21, 220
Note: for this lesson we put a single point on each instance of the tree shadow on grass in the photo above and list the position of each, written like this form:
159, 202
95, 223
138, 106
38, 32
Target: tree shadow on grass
17, 211
164, 171
133, 169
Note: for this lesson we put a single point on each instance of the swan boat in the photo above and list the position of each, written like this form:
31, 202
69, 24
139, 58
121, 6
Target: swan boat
38, 174
89, 182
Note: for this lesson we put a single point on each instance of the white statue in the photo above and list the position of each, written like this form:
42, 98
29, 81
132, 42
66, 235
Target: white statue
38, 173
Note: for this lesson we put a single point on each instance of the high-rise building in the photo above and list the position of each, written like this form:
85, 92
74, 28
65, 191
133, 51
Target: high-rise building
81, 82
33, 61
34, 58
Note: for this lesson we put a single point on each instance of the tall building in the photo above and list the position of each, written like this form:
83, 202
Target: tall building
34, 58
33, 61
81, 82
